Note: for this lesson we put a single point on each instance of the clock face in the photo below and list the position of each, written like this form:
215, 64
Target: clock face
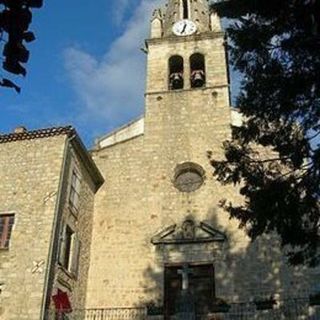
184, 28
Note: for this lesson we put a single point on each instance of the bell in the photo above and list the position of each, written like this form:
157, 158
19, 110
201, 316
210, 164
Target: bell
197, 79
176, 81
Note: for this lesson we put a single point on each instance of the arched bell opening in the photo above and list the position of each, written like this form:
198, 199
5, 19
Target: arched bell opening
198, 70
176, 73
185, 9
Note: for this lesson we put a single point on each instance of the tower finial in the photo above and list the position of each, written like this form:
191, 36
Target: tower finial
157, 14
157, 24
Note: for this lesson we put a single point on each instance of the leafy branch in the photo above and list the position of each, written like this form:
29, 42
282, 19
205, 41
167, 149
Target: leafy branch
275, 156
15, 19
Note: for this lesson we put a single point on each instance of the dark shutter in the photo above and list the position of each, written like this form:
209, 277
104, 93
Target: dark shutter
75, 256
6, 225
173, 285
62, 250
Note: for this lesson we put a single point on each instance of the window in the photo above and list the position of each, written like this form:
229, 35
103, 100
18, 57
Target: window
198, 70
198, 280
188, 177
175, 73
6, 225
75, 190
66, 247
69, 251
185, 9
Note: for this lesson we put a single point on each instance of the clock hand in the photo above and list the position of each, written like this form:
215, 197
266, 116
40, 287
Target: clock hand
184, 28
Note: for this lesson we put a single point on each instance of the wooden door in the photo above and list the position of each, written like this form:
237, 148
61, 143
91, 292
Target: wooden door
201, 285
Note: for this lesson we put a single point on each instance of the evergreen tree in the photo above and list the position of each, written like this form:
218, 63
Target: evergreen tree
276, 46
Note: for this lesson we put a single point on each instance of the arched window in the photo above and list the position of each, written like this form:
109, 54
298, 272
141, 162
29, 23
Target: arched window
198, 70
185, 9
175, 73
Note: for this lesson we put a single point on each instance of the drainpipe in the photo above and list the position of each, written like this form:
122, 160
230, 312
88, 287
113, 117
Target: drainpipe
50, 270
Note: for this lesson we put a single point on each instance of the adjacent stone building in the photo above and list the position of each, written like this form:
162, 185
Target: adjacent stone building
48, 183
153, 241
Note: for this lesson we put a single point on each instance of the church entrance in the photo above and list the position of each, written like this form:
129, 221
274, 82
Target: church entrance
189, 288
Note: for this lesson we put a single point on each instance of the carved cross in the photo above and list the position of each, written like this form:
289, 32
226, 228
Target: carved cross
37, 267
185, 272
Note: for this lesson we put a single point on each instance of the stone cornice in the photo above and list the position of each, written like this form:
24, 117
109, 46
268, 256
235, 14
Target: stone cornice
196, 37
37, 134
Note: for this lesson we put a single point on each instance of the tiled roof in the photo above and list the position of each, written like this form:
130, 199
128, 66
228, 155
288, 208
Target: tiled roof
37, 134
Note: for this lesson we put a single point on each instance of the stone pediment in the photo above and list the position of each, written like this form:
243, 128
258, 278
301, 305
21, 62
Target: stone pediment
188, 232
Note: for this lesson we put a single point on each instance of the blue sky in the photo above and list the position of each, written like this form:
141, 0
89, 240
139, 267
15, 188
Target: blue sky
86, 67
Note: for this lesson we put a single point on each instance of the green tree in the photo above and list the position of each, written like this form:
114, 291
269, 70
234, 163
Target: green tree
15, 18
276, 46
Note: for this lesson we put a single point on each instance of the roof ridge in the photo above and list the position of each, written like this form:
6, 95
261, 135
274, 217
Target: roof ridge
36, 134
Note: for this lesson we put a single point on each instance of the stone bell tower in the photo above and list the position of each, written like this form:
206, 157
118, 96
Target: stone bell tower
187, 114
157, 220
186, 66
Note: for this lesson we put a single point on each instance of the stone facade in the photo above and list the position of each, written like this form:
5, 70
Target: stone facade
140, 199
179, 126
34, 171
158, 209
22, 294
80, 221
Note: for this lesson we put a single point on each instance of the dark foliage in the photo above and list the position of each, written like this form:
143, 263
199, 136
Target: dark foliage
15, 19
276, 46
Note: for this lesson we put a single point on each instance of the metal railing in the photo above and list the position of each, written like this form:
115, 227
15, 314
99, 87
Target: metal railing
117, 314
289, 309
295, 309
100, 314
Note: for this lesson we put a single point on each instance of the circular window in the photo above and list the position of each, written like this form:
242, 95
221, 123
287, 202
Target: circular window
188, 177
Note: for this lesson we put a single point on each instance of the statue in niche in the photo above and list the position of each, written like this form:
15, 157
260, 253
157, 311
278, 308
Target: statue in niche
188, 229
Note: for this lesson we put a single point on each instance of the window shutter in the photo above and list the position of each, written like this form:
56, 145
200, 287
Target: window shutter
6, 226
75, 255
76, 200
78, 183
62, 246
77, 189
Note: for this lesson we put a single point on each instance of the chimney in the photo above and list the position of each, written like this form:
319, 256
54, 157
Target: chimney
20, 129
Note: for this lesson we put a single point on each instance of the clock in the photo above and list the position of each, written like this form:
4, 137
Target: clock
184, 28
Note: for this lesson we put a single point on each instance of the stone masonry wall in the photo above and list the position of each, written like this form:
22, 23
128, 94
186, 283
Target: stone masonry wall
198, 13
81, 224
211, 45
29, 175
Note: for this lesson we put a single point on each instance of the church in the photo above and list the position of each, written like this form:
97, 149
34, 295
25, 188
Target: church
133, 229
